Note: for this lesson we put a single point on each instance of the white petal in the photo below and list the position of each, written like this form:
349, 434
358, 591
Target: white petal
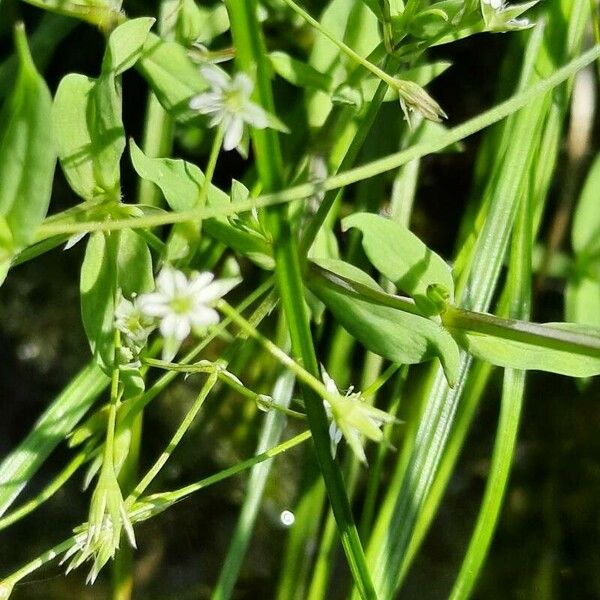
165, 282
181, 284
216, 289
199, 281
243, 83
329, 383
153, 305
175, 326
207, 103
203, 316
215, 77
233, 133
254, 115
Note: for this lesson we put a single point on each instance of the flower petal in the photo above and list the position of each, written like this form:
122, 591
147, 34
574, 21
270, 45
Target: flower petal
207, 103
215, 290
233, 133
254, 115
153, 304
215, 77
198, 281
165, 282
243, 83
203, 316
175, 326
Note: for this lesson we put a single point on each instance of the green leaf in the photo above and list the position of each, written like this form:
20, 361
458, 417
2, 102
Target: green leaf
181, 182
27, 155
90, 136
135, 275
404, 259
173, 77
105, 14
125, 45
585, 234
299, 73
56, 422
98, 288
396, 335
525, 356
582, 301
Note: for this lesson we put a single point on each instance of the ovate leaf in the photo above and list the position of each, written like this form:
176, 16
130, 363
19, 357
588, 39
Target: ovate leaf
582, 301
125, 45
89, 132
135, 275
172, 76
396, 335
98, 287
181, 182
404, 259
27, 155
299, 73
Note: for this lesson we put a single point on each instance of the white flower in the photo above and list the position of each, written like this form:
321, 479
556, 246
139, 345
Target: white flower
132, 323
228, 102
352, 417
99, 539
182, 304
495, 4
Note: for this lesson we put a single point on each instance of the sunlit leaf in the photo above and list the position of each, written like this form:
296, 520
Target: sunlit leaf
27, 155
403, 258
399, 336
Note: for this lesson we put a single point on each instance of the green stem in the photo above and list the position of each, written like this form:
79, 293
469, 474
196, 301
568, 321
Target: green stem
376, 167
343, 47
302, 374
470, 321
251, 54
140, 511
211, 165
185, 424
47, 493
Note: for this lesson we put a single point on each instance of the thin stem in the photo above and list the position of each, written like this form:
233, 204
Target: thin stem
288, 362
211, 165
371, 169
47, 493
343, 47
185, 424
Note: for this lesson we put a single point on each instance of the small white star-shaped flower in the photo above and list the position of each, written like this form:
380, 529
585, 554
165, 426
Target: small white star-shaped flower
229, 105
352, 417
495, 4
132, 322
182, 304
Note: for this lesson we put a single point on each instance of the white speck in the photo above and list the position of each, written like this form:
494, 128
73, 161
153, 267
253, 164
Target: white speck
287, 518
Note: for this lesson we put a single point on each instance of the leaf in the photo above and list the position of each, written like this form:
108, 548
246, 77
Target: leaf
524, 356
105, 14
299, 73
585, 234
135, 274
98, 286
180, 182
90, 136
27, 155
50, 429
125, 45
172, 76
396, 335
582, 301
403, 258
